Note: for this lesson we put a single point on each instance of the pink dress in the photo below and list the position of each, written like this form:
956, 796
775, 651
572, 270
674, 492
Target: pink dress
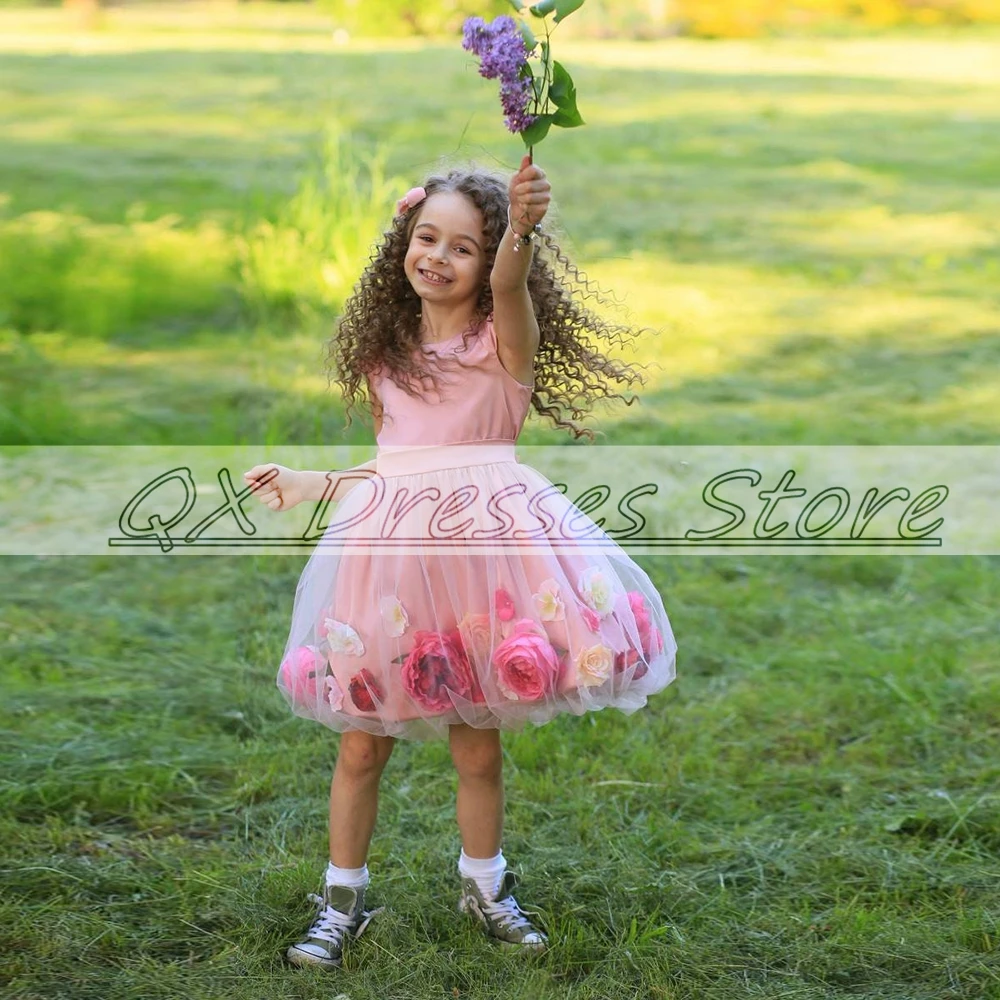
439, 594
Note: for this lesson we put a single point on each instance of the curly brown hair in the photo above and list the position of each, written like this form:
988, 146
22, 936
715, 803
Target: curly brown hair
380, 323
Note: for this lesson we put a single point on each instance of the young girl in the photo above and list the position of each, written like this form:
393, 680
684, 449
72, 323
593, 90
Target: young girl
456, 330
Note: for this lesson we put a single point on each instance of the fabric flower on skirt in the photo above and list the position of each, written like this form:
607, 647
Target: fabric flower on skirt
474, 629
597, 591
590, 618
333, 693
394, 616
650, 639
594, 665
504, 605
365, 690
548, 603
341, 638
630, 658
526, 663
435, 667
300, 674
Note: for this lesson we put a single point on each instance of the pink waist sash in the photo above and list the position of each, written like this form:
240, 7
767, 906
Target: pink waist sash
404, 460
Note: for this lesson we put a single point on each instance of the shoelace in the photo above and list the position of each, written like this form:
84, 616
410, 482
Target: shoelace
331, 924
507, 912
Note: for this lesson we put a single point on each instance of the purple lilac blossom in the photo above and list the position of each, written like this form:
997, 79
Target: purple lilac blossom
503, 53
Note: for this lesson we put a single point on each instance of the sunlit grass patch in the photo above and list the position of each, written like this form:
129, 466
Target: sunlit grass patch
63, 272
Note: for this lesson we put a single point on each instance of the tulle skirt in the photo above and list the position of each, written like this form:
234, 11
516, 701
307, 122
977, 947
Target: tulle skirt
459, 585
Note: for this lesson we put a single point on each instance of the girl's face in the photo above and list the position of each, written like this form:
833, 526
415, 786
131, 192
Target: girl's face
445, 261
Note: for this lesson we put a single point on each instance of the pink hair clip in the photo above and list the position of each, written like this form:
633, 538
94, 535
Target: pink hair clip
412, 197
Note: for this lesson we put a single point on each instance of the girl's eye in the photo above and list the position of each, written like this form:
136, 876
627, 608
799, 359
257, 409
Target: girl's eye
463, 249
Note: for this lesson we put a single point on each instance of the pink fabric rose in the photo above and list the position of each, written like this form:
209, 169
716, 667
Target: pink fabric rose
301, 671
526, 663
504, 605
650, 639
655, 644
437, 665
640, 610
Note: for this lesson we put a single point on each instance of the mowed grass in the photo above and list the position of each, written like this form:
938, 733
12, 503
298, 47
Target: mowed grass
810, 810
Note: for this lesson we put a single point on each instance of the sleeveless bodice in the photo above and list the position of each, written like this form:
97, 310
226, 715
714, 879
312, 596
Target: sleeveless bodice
479, 399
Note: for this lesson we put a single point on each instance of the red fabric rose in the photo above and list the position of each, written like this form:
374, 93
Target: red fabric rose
629, 658
436, 665
364, 689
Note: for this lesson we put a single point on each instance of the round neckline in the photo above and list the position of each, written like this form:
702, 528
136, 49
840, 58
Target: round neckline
441, 343
477, 331
451, 340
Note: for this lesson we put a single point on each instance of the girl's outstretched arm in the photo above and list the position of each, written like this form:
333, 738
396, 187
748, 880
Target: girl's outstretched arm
315, 484
513, 313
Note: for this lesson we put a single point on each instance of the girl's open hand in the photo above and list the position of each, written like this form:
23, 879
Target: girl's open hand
529, 196
282, 491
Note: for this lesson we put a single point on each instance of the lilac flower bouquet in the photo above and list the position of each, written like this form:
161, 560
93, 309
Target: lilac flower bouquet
531, 103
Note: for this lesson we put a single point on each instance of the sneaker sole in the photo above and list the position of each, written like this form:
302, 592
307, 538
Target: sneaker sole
303, 958
463, 907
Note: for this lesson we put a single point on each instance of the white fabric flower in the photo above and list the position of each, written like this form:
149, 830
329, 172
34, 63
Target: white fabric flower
596, 590
333, 692
342, 638
549, 603
394, 616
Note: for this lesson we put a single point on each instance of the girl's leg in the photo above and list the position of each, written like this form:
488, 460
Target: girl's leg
354, 795
479, 763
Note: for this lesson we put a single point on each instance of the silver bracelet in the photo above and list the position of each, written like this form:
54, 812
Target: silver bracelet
528, 237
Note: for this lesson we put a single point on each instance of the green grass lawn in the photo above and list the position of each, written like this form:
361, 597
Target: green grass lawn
810, 227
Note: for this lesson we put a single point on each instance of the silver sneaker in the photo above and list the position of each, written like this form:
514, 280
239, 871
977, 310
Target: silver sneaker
502, 918
340, 913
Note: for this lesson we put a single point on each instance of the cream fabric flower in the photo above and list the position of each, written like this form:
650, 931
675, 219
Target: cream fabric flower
594, 665
394, 616
342, 638
596, 590
475, 632
549, 603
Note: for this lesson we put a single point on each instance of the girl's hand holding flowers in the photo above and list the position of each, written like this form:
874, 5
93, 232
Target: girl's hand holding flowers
529, 196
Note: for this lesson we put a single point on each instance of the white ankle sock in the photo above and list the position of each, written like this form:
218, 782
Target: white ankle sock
487, 872
355, 878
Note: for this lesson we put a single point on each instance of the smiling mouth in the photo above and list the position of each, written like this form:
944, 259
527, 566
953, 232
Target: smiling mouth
433, 279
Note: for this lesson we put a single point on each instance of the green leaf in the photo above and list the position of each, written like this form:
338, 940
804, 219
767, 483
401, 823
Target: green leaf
516, 4
567, 118
538, 83
527, 34
566, 7
543, 7
537, 130
562, 90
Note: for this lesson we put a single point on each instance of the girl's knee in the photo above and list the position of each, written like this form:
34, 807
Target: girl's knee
477, 755
362, 755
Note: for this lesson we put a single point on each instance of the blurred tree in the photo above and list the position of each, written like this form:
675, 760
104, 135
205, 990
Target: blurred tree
410, 17
85, 14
